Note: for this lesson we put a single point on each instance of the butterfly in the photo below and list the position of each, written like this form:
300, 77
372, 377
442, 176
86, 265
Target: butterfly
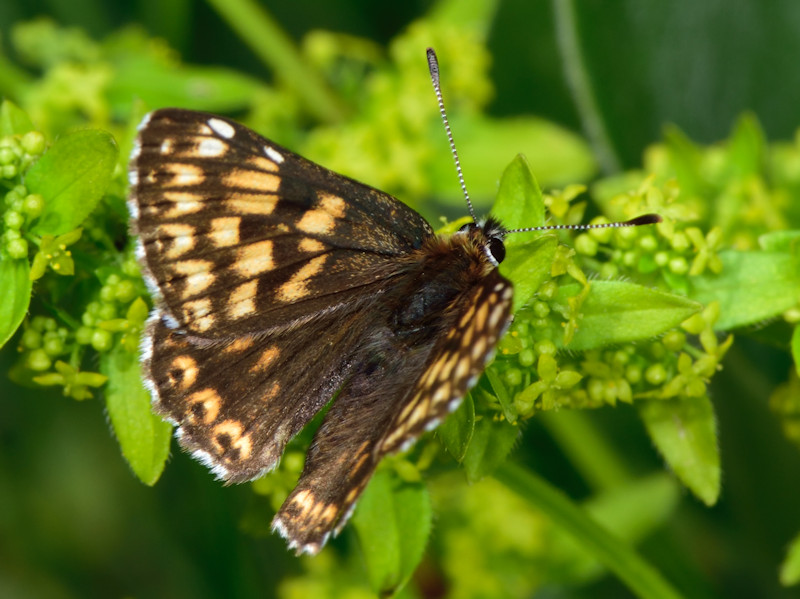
280, 284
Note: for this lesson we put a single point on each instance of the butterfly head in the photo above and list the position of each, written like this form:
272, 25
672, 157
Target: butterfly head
488, 235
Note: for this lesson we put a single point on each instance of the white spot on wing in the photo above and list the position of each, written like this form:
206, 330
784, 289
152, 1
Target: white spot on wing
279, 527
433, 424
136, 150
211, 147
205, 458
139, 250
145, 121
273, 154
133, 208
169, 321
222, 128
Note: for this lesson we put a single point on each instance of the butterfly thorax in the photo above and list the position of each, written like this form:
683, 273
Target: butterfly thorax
445, 267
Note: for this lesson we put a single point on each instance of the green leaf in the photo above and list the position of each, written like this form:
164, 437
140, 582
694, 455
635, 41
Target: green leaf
752, 287
72, 176
393, 523
780, 241
684, 431
143, 436
519, 200
455, 433
746, 147
790, 568
503, 397
685, 157
15, 296
490, 445
201, 88
619, 312
485, 146
13, 121
527, 266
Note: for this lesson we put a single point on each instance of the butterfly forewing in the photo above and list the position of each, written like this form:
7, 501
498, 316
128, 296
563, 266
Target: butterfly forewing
280, 284
238, 234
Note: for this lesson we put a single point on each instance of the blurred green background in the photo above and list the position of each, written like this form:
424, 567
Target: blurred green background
75, 523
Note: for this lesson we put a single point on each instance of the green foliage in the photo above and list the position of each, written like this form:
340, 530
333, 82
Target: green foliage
393, 521
603, 318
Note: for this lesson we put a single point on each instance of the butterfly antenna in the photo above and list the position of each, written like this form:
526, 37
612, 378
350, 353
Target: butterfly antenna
433, 66
645, 219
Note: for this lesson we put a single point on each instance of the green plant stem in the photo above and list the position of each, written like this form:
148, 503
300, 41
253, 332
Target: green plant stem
587, 449
579, 82
256, 27
644, 580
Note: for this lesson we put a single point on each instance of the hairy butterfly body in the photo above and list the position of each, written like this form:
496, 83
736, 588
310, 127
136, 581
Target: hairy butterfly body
278, 284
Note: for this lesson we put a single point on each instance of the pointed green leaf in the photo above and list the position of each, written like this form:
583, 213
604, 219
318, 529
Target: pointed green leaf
13, 121
143, 437
684, 431
519, 200
455, 432
72, 176
491, 443
619, 312
790, 568
685, 158
796, 348
503, 397
752, 287
746, 147
15, 297
527, 266
393, 523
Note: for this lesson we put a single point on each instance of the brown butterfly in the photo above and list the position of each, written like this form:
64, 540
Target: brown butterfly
279, 285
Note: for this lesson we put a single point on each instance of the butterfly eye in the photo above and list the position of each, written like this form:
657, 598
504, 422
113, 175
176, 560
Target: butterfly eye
465, 228
495, 250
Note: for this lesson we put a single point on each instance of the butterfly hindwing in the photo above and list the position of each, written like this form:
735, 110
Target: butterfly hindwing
236, 403
401, 392
240, 235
